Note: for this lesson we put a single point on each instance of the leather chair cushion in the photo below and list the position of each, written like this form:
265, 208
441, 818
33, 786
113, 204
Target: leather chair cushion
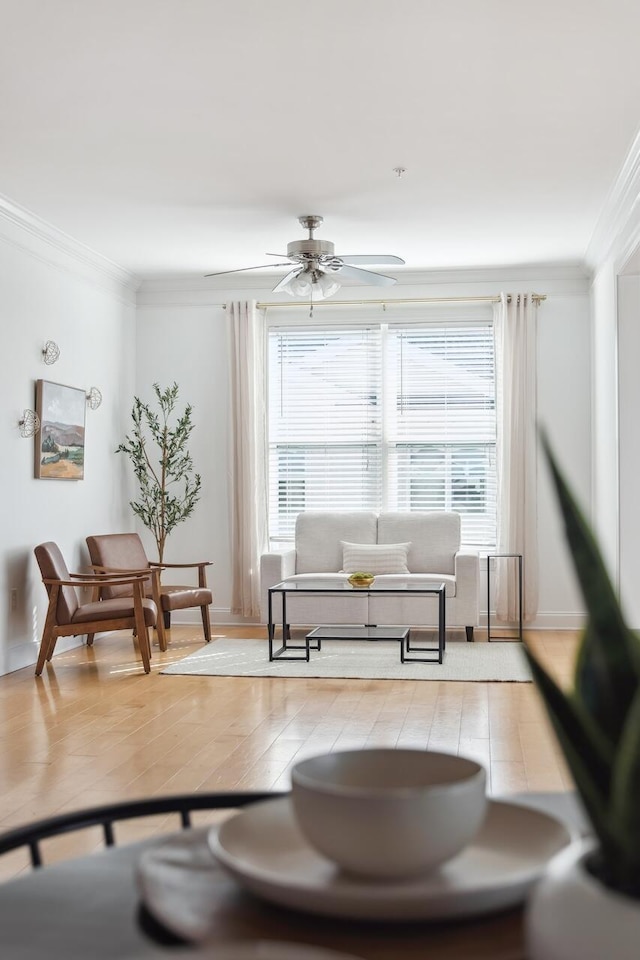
119, 608
181, 597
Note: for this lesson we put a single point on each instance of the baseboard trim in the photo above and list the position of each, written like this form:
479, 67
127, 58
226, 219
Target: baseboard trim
26, 654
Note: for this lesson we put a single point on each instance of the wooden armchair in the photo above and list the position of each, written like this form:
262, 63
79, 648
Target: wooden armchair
119, 552
66, 616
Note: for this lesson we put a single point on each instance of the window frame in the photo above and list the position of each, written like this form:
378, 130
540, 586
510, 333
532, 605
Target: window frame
386, 319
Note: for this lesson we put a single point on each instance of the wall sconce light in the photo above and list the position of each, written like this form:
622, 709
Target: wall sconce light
30, 423
50, 352
94, 398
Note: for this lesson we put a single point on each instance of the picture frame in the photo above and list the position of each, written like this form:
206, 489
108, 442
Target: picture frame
59, 444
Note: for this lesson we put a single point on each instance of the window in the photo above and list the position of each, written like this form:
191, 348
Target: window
386, 416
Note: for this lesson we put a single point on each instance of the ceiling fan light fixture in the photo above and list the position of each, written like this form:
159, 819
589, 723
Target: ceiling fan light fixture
328, 285
311, 282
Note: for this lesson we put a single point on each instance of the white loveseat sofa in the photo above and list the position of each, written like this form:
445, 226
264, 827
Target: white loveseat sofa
434, 553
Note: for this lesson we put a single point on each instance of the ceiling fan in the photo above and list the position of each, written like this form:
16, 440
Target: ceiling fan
317, 271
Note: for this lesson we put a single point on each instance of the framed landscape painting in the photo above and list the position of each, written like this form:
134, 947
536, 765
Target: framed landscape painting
59, 444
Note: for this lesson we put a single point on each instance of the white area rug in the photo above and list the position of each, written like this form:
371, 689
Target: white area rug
361, 660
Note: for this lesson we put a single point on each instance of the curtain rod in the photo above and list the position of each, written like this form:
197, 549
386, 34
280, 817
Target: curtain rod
537, 297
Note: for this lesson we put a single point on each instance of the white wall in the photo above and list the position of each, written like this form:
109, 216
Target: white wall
188, 345
564, 409
181, 335
53, 289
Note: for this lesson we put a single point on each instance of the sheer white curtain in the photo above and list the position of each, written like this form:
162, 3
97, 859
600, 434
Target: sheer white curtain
515, 332
248, 454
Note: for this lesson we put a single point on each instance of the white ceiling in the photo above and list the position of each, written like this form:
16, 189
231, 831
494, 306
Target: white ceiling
186, 136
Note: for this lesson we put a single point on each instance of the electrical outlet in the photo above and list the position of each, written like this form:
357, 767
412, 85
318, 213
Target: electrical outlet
14, 599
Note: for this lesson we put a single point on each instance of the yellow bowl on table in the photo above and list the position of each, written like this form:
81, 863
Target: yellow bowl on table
361, 579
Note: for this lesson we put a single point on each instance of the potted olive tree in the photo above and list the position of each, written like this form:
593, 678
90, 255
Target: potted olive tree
158, 450
587, 905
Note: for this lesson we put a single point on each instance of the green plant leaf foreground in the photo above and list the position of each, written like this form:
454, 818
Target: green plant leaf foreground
608, 668
590, 760
625, 800
598, 723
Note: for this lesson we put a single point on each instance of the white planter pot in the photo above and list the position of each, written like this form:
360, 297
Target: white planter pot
571, 916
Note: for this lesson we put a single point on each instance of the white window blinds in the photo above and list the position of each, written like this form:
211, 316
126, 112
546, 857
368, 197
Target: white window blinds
442, 424
383, 417
324, 423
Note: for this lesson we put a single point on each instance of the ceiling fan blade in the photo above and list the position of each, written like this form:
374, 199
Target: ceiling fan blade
366, 276
285, 280
261, 266
371, 258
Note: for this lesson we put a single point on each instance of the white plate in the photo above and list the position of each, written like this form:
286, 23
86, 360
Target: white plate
264, 850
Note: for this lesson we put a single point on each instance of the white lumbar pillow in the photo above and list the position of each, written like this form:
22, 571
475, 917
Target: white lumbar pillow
376, 558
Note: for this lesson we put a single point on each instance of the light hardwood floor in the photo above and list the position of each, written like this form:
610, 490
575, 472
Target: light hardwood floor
94, 729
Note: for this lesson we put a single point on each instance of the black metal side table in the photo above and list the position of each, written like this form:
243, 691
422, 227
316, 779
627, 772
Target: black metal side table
498, 556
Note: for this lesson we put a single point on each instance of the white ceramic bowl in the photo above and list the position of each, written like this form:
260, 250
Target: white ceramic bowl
384, 813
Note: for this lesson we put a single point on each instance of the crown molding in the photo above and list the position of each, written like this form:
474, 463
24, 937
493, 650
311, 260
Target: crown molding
618, 225
24, 230
510, 273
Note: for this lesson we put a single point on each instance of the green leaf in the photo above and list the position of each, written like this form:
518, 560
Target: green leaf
160, 458
608, 668
625, 800
595, 686
588, 754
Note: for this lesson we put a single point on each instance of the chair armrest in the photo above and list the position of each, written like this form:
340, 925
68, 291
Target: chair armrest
102, 572
103, 577
198, 563
467, 572
274, 567
80, 580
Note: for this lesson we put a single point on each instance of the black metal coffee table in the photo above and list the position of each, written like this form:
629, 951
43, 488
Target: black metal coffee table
296, 650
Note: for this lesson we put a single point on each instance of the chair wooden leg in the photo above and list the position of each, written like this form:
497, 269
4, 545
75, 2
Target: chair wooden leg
157, 599
141, 628
90, 637
142, 645
206, 623
47, 642
162, 636
145, 649
469, 632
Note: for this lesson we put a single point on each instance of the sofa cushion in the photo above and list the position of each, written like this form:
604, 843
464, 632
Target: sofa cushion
425, 580
318, 536
435, 538
375, 557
